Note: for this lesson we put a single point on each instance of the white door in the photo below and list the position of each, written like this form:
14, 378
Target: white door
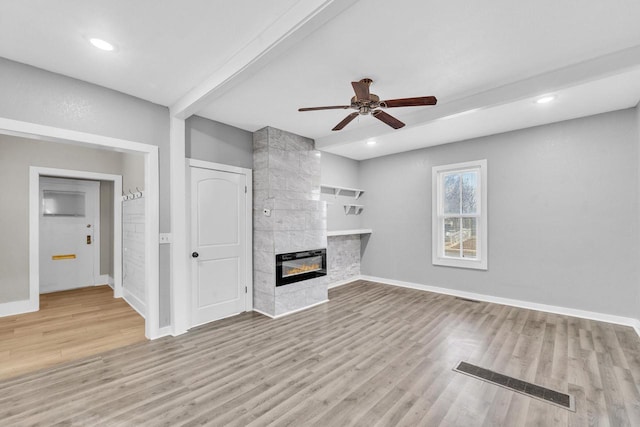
69, 217
218, 239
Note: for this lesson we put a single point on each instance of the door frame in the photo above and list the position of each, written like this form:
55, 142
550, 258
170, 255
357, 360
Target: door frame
152, 204
93, 185
35, 173
248, 173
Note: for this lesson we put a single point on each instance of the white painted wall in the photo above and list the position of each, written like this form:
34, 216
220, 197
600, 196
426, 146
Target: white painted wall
563, 215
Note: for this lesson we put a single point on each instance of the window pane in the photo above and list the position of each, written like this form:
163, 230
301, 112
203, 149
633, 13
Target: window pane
470, 192
469, 237
451, 184
63, 203
452, 237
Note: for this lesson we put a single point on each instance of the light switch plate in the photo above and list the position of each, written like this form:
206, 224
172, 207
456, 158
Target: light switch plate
165, 238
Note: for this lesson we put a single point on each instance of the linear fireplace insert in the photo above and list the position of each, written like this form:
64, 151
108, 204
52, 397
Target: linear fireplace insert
298, 266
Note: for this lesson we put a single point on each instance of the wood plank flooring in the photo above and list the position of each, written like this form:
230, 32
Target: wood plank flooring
70, 325
374, 355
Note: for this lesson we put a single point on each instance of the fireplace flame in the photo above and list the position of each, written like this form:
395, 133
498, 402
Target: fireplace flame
302, 269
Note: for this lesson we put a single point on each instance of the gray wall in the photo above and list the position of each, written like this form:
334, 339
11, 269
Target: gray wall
563, 215
16, 156
342, 172
34, 95
217, 142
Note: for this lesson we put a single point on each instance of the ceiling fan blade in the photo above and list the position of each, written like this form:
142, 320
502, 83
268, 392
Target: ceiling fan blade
345, 121
331, 107
409, 102
361, 89
388, 119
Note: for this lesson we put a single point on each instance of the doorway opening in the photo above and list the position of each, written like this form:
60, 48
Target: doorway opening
150, 226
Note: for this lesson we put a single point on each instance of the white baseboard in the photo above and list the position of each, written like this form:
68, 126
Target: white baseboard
136, 303
344, 282
290, 312
584, 314
16, 307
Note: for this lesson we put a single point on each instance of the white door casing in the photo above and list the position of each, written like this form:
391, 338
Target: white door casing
220, 242
69, 242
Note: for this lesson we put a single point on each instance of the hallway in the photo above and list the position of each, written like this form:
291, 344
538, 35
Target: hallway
69, 326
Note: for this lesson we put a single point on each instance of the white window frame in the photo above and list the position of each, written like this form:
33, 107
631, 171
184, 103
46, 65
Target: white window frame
437, 216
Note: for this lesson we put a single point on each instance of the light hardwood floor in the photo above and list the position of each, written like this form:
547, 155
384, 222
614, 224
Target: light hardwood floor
70, 325
373, 355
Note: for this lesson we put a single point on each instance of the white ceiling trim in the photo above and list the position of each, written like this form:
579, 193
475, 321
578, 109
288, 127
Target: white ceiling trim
299, 21
563, 78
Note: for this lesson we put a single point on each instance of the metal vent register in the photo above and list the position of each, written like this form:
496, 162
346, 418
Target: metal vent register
553, 397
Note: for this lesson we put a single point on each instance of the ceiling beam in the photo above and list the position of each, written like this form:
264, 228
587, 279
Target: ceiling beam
299, 21
556, 80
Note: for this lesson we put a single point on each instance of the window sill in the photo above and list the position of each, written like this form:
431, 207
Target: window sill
459, 263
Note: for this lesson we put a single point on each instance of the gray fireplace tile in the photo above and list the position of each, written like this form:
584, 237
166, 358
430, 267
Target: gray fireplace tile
263, 240
264, 302
264, 261
261, 179
260, 159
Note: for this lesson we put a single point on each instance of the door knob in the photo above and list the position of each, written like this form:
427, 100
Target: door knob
195, 255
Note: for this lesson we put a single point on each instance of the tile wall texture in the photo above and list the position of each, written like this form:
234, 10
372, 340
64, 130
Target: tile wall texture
286, 181
343, 257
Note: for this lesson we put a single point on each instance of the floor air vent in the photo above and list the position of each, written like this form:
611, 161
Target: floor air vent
553, 397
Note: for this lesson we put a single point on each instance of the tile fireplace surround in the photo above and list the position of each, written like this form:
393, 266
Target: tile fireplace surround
286, 183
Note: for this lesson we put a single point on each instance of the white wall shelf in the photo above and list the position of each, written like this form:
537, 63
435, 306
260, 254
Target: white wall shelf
342, 191
349, 232
353, 209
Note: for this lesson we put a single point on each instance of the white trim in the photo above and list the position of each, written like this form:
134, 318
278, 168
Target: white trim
180, 301
136, 303
290, 312
248, 174
344, 282
53, 134
437, 250
203, 164
565, 311
16, 307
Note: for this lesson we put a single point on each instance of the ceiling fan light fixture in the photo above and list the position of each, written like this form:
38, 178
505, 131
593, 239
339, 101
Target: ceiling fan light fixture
545, 99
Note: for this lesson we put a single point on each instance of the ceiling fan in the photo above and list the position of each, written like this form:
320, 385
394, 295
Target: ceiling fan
366, 102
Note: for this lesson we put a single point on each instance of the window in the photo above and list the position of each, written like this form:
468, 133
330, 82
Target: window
460, 215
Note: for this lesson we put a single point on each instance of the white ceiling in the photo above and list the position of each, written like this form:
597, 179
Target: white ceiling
489, 59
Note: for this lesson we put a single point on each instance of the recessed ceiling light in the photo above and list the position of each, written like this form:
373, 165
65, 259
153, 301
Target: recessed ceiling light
318, 154
545, 99
101, 44
372, 142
